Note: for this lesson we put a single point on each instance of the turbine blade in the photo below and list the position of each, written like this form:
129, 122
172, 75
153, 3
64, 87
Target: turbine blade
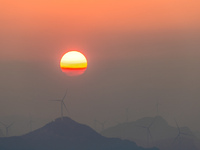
65, 106
10, 125
3, 124
175, 139
179, 130
141, 126
64, 95
58, 100
187, 134
176, 124
184, 134
152, 123
150, 134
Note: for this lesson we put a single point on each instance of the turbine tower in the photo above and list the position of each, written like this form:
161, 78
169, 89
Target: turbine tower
1, 133
62, 104
157, 108
149, 135
95, 124
30, 123
7, 127
127, 115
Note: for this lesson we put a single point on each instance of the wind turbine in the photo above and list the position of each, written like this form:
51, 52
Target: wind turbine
62, 104
180, 133
7, 127
149, 135
30, 123
102, 124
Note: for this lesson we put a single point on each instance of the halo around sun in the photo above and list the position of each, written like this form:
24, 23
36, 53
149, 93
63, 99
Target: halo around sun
73, 63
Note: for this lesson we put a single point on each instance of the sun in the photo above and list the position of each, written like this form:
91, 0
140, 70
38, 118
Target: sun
73, 63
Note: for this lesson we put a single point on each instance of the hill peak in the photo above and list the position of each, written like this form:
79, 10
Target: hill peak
65, 133
66, 128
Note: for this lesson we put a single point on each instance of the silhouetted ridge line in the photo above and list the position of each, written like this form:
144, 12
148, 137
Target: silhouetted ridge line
66, 134
66, 128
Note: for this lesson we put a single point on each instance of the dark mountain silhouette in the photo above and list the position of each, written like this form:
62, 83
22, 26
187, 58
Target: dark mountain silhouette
154, 131
66, 134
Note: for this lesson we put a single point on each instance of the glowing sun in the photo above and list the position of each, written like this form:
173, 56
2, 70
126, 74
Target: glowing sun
73, 63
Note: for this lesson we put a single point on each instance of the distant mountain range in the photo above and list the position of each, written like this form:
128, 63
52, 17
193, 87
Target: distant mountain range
66, 134
155, 131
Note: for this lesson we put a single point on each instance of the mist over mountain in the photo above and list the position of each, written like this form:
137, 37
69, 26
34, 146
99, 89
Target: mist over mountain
65, 134
155, 131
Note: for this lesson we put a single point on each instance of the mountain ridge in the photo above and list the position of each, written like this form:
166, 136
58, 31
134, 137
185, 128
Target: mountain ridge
65, 133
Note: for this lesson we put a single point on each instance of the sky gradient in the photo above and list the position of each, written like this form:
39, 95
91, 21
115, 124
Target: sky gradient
139, 53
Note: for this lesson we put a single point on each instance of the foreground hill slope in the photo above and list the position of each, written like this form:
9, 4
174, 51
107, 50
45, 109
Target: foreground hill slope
66, 134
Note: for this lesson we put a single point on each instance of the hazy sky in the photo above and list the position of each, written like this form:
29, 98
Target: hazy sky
139, 52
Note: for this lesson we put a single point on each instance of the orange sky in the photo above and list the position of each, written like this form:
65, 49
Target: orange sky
24, 19
129, 44
104, 14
